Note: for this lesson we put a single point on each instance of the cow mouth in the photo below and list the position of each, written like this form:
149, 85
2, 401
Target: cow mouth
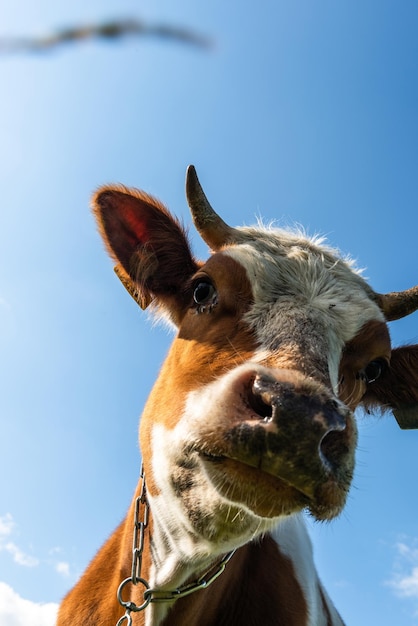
270, 494
225, 462
213, 458
267, 495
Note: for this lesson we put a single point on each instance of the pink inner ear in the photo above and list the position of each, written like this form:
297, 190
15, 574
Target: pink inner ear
124, 221
132, 219
145, 239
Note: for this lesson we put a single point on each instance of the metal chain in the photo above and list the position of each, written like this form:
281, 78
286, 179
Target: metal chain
141, 518
204, 581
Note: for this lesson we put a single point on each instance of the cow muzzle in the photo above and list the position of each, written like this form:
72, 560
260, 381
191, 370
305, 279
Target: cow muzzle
294, 429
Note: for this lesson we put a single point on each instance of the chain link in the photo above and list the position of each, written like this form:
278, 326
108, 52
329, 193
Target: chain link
140, 524
141, 519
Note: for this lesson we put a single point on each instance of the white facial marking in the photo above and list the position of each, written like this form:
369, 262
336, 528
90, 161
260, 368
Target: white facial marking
194, 527
305, 295
202, 521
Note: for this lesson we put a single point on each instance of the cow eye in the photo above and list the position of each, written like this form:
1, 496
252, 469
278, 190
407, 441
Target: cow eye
204, 293
374, 370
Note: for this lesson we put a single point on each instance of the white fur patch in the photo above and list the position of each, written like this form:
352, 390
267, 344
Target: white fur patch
294, 542
303, 291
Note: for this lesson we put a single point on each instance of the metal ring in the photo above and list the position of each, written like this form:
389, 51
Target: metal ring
131, 606
126, 617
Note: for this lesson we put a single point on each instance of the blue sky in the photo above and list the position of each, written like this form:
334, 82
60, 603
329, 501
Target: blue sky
302, 111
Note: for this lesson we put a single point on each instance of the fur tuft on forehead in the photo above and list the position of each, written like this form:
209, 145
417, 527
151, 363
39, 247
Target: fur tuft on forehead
294, 241
296, 264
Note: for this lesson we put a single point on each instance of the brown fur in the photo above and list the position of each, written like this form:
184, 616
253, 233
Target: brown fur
371, 343
398, 385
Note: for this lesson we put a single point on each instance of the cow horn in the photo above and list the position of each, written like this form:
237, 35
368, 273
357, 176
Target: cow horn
398, 304
213, 230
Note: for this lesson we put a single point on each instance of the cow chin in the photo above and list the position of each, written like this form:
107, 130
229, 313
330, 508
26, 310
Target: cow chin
270, 496
329, 501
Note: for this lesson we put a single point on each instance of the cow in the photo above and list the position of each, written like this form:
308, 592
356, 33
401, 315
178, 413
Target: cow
250, 422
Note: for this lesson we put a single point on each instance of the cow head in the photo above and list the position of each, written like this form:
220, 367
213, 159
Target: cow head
279, 339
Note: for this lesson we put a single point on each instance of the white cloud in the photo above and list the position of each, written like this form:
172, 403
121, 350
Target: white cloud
407, 585
63, 568
19, 557
405, 578
7, 526
16, 611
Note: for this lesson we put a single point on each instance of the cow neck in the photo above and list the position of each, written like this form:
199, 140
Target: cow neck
155, 595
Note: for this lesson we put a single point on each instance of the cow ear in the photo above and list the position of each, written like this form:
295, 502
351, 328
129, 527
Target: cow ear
397, 388
149, 245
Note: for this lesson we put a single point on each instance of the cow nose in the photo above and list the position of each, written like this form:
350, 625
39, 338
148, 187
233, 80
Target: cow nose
300, 412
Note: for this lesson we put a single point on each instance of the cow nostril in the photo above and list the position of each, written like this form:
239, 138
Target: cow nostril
332, 448
260, 400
